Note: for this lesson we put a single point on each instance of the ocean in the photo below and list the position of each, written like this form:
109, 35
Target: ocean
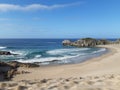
46, 51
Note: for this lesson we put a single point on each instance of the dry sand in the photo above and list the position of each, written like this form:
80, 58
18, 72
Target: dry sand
101, 73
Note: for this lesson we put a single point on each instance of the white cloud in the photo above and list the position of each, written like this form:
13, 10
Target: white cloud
13, 7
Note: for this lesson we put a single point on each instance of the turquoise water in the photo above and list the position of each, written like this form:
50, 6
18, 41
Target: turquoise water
45, 51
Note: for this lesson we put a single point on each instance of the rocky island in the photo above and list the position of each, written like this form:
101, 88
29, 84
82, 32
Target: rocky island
6, 53
89, 42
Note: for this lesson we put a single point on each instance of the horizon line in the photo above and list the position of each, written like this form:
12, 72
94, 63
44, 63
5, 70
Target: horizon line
60, 38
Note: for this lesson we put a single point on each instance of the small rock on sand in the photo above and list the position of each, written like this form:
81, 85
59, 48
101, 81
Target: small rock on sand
20, 88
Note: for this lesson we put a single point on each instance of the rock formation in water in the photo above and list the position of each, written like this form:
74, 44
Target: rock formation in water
89, 42
66, 42
5, 53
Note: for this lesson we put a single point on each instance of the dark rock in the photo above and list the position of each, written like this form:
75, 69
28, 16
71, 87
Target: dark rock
6, 71
44, 81
5, 53
15, 64
10, 73
9, 69
21, 88
18, 64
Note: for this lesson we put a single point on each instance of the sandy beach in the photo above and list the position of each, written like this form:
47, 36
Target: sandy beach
101, 73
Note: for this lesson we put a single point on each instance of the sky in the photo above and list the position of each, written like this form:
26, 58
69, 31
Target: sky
59, 18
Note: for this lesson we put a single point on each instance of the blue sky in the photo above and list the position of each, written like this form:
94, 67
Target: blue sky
59, 18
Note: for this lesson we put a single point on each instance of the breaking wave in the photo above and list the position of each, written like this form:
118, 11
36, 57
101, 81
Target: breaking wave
63, 51
73, 53
2, 47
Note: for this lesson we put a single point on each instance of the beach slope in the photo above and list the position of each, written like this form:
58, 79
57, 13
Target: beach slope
101, 73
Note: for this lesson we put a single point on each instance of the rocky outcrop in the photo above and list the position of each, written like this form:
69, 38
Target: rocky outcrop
6, 71
66, 42
9, 69
86, 42
103, 42
19, 64
6, 53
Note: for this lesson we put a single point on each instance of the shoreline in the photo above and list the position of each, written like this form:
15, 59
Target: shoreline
108, 52
48, 68
99, 73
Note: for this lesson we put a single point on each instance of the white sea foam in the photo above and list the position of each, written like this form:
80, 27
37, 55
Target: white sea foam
66, 54
101, 50
2, 47
49, 59
20, 52
63, 51
38, 56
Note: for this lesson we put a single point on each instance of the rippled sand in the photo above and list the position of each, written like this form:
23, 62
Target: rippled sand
104, 82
